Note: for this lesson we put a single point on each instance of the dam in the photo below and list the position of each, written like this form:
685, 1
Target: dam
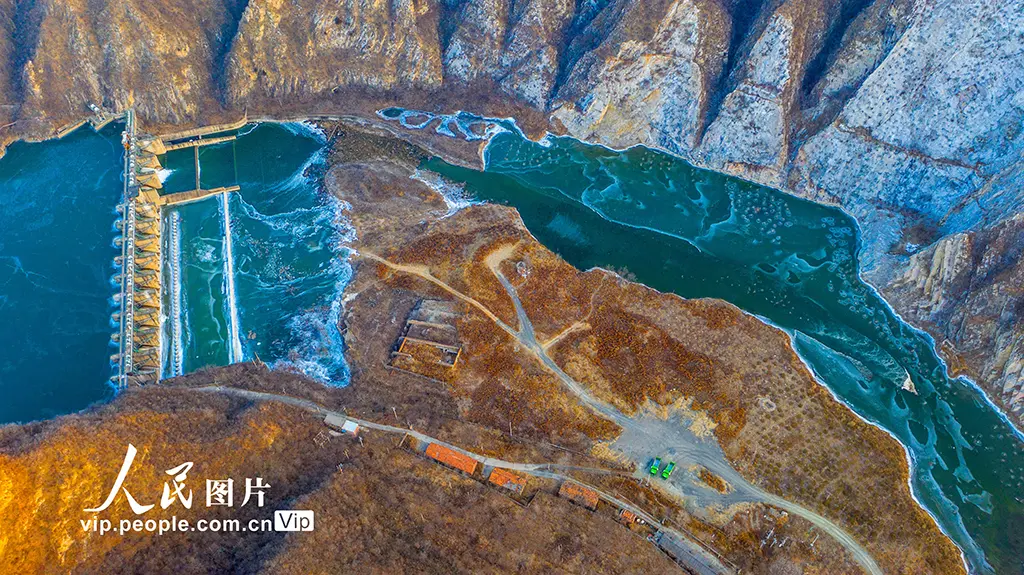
135, 255
210, 276
702, 235
139, 317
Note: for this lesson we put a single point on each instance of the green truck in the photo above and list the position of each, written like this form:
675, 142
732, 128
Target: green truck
655, 466
668, 469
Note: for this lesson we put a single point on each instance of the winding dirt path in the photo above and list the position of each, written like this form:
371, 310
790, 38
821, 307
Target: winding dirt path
644, 436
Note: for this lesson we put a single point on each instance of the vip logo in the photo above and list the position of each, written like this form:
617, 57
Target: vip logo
293, 521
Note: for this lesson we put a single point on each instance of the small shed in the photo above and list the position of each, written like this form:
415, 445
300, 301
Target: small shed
340, 423
508, 479
579, 494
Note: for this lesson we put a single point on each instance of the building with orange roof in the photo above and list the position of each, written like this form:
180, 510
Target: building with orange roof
508, 479
579, 494
452, 458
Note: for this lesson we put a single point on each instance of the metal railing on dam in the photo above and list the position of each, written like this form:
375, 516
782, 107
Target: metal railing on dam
139, 318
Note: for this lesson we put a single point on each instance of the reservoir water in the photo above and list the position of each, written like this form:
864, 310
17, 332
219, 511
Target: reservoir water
701, 234
260, 273
57, 212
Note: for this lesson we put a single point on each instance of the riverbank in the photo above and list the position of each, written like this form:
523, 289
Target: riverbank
545, 183
413, 248
538, 129
501, 387
837, 105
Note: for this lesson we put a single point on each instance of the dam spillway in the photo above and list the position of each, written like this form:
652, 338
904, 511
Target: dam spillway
139, 320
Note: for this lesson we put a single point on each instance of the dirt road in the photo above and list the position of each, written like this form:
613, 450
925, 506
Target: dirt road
697, 558
645, 436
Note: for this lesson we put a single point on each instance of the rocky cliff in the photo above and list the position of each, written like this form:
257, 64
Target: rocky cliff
967, 289
908, 113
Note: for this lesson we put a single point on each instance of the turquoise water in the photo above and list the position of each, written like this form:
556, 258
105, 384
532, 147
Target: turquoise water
287, 266
701, 234
199, 318
57, 213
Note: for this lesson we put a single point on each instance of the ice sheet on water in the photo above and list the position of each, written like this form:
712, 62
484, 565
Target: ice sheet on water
568, 229
460, 125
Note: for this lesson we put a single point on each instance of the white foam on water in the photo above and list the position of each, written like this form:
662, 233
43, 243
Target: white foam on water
305, 128
163, 173
308, 219
320, 349
468, 126
177, 307
234, 339
454, 195
313, 344
298, 178
344, 223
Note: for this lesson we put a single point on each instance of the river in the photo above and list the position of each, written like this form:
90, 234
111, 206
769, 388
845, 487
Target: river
57, 212
260, 272
793, 263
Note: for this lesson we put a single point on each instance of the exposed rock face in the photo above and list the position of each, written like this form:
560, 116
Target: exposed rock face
908, 113
936, 125
968, 288
8, 105
930, 146
311, 48
755, 123
70, 53
516, 45
647, 78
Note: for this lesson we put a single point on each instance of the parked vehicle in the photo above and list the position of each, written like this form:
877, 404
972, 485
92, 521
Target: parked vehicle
656, 466
668, 469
